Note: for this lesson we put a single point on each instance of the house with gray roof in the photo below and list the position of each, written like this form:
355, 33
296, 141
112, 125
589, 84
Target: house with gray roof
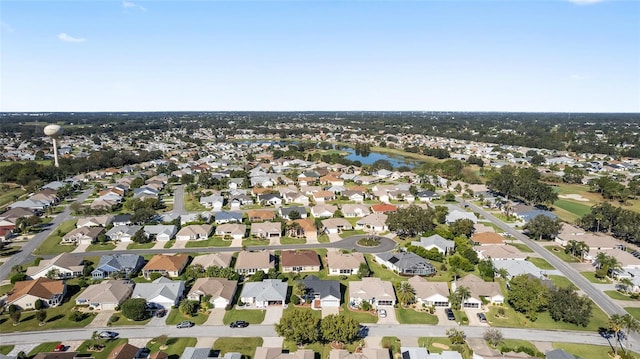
285, 212
161, 232
442, 244
423, 353
373, 290
406, 263
322, 293
265, 293
124, 265
122, 233
223, 217
66, 265
457, 214
106, 295
214, 202
162, 291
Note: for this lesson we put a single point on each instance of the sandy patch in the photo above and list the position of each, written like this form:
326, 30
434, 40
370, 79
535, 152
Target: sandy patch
575, 197
441, 346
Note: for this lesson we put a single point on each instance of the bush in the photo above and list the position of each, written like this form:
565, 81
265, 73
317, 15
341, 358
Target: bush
18, 278
366, 306
77, 316
154, 276
134, 309
295, 300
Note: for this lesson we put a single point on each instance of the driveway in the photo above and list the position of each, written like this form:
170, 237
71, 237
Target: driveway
273, 314
472, 314
326, 311
442, 317
390, 318
100, 321
216, 317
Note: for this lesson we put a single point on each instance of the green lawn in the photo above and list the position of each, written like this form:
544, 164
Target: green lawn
591, 276
108, 246
253, 316
120, 320
574, 209
614, 294
410, 316
382, 273
584, 350
10, 196
104, 354
362, 317
514, 319
245, 346
512, 344
192, 204
323, 238
255, 242
541, 263
51, 245
391, 343
314, 313
291, 240
521, 247
461, 317
175, 346
6, 349
633, 311
559, 252
169, 244
562, 281
215, 241
174, 317
43, 348
141, 245
354, 232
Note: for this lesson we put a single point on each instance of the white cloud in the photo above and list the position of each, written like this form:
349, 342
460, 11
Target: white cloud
68, 38
577, 77
131, 5
585, 2
6, 27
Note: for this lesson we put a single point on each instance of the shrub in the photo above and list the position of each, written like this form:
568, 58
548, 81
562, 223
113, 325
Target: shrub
17, 278
77, 316
154, 276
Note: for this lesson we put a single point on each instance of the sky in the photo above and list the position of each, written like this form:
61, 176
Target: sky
420, 55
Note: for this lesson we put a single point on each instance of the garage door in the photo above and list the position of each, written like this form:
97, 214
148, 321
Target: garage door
331, 303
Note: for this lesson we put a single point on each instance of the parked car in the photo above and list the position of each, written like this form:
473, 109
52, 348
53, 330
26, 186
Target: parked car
450, 314
482, 317
108, 334
382, 313
185, 324
161, 312
60, 348
239, 324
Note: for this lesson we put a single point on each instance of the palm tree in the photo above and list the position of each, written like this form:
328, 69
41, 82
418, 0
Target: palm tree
631, 326
463, 293
406, 293
625, 284
599, 219
615, 324
503, 273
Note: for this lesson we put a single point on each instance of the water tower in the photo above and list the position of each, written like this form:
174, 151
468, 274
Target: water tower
54, 131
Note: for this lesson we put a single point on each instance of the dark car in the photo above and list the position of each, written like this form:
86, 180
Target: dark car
450, 314
482, 317
185, 324
108, 334
239, 324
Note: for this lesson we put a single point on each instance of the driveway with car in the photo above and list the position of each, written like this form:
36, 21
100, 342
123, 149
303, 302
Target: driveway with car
390, 317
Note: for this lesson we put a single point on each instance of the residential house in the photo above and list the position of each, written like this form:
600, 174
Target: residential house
160, 232
218, 259
166, 265
249, 263
457, 214
356, 196
323, 210
355, 210
527, 213
120, 265
423, 353
106, 295
406, 263
322, 293
443, 245
364, 353
323, 196
195, 218
558, 354
498, 251
340, 263
194, 232
266, 230
121, 220
220, 290
430, 293
373, 223
374, 290
122, 233
487, 238
94, 221
231, 230
593, 240
223, 217
427, 196
276, 353
162, 292
286, 212
297, 261
296, 197
261, 215
383, 208
479, 289
516, 268
336, 225
214, 202
307, 228
25, 293
82, 235
8, 219
270, 199
265, 293
64, 265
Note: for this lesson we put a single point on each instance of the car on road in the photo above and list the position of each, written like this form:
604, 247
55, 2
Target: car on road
108, 334
60, 348
239, 324
450, 314
185, 324
482, 317
382, 313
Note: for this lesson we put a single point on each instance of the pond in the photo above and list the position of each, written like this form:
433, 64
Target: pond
375, 156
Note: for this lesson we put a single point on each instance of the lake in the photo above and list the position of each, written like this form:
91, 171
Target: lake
374, 156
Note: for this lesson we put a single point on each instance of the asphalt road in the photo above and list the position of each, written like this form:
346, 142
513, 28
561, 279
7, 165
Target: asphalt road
400, 331
33, 243
178, 200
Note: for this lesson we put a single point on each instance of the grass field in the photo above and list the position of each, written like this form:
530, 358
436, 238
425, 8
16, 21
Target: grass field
559, 252
10, 196
521, 247
245, 346
591, 276
515, 344
40, 162
253, 316
104, 354
614, 294
174, 346
541, 263
43, 347
215, 241
6, 349
51, 245
633, 311
141, 245
562, 281
362, 317
410, 316
585, 350
514, 319
175, 317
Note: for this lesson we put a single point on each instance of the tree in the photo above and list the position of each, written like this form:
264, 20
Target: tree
607, 265
456, 336
188, 307
462, 227
463, 293
631, 326
493, 336
625, 284
364, 270
527, 295
615, 325
15, 316
18, 277
195, 271
39, 304
134, 309
405, 292
487, 269
543, 227
411, 220
299, 326
441, 214
573, 174
339, 328
41, 315
140, 237
293, 215
568, 306
576, 248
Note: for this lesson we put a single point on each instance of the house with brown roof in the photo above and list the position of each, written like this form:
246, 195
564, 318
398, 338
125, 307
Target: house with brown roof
479, 289
106, 295
308, 228
487, 238
373, 290
166, 265
249, 263
365, 353
340, 263
218, 259
82, 235
221, 291
259, 215
430, 293
94, 221
65, 265
25, 293
276, 353
194, 232
293, 261
376, 222
124, 351
499, 251
266, 229
383, 208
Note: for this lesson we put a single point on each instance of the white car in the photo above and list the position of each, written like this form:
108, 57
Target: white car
382, 313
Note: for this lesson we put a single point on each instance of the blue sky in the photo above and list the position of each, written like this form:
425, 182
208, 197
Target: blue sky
545, 55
